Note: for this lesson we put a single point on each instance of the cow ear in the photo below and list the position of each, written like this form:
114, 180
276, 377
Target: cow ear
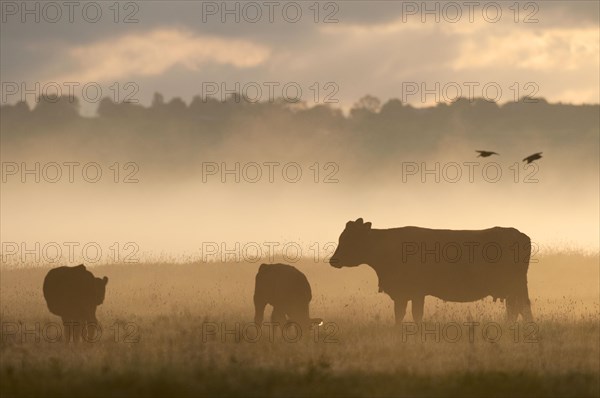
105, 279
359, 221
368, 225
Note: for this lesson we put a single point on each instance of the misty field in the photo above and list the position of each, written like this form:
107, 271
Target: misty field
174, 329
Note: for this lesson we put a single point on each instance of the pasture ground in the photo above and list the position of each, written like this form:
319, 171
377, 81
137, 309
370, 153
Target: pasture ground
184, 330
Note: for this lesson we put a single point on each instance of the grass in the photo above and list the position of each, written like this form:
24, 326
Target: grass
170, 330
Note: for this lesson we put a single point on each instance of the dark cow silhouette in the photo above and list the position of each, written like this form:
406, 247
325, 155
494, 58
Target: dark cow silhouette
453, 265
73, 293
287, 290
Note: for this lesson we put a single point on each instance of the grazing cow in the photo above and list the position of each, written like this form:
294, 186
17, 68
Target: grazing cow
73, 293
287, 290
452, 265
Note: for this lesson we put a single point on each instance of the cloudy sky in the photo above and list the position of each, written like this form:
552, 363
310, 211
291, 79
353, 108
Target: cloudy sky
546, 48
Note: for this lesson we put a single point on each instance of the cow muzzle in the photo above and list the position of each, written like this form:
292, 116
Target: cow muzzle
335, 262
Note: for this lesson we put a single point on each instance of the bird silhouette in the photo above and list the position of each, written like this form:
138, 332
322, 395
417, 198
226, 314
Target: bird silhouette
533, 157
485, 154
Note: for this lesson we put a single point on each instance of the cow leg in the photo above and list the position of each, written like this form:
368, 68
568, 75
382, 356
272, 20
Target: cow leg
298, 312
91, 329
526, 312
259, 310
400, 309
90, 326
72, 330
278, 316
525, 303
518, 302
418, 306
68, 327
512, 308
84, 331
78, 328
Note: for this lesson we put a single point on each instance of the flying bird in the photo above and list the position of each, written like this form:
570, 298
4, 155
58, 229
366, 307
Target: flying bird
485, 154
533, 157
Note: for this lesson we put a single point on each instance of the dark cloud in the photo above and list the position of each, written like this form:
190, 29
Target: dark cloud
373, 60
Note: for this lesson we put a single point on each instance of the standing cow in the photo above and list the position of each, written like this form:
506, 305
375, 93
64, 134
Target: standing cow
73, 293
452, 265
287, 290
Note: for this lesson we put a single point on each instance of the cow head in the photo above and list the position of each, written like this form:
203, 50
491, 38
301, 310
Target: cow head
100, 289
352, 246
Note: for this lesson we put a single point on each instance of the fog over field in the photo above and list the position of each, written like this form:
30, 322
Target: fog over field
274, 173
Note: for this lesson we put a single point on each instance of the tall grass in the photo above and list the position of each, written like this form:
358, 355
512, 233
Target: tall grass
183, 330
